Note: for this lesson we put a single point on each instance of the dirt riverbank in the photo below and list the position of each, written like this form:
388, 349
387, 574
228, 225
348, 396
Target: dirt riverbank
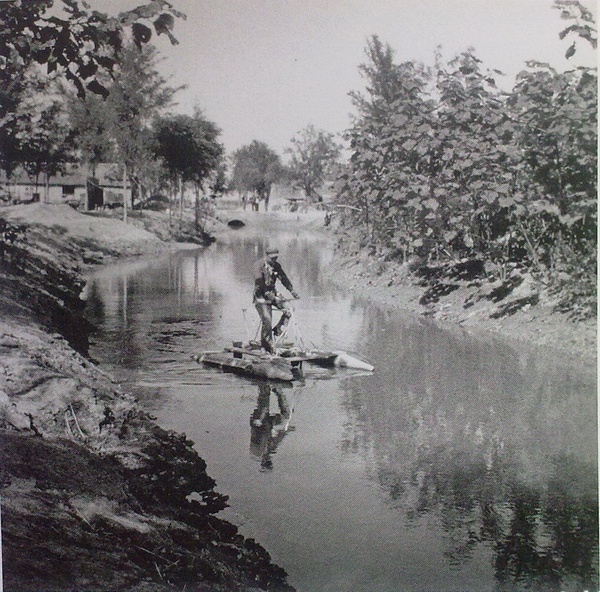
517, 308
95, 495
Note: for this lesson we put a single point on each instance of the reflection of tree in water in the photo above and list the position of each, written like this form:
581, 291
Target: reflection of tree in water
267, 429
132, 330
480, 454
94, 303
550, 536
542, 536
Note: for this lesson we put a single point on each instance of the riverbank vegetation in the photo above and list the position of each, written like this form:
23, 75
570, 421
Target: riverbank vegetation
451, 183
467, 184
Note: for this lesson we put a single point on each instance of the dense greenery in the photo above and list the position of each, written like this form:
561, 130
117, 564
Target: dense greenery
190, 152
447, 168
312, 153
78, 42
71, 41
255, 167
313, 156
118, 128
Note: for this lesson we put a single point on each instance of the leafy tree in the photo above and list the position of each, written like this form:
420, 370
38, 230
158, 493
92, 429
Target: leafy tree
255, 168
384, 79
452, 170
583, 27
78, 42
12, 97
313, 154
118, 128
555, 203
386, 179
208, 155
91, 122
474, 162
172, 139
37, 136
190, 151
45, 141
138, 94
558, 130
218, 184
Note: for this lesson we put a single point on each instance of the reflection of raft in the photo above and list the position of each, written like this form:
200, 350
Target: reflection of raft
285, 365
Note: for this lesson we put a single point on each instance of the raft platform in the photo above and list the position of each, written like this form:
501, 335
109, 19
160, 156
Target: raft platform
285, 365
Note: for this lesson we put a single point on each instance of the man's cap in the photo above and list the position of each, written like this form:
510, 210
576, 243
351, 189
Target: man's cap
272, 251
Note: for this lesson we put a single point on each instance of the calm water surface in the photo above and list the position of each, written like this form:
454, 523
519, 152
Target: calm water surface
463, 463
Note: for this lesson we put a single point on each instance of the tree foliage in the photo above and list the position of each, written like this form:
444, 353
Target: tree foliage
188, 146
91, 122
38, 136
118, 128
79, 42
190, 150
138, 94
255, 167
583, 27
446, 167
313, 154
91, 50
45, 141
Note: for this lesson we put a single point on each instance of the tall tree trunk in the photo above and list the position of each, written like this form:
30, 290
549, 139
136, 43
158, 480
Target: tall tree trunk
47, 188
181, 204
37, 183
172, 193
197, 208
124, 193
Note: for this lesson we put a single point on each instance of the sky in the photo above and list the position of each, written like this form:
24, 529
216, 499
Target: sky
265, 69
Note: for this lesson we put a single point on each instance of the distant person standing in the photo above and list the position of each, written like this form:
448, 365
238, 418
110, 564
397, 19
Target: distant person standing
254, 203
266, 273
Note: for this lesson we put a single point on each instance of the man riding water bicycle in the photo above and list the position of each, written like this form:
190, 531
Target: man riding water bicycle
266, 273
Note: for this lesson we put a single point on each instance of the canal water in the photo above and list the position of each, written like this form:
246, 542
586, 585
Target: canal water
464, 462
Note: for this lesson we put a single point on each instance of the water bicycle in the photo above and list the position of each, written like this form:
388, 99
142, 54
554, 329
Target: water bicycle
286, 363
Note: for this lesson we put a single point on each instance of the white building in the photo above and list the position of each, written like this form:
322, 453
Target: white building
73, 187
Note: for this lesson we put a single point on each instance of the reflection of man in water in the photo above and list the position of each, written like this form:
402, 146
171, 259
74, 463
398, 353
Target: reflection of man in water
267, 271
267, 429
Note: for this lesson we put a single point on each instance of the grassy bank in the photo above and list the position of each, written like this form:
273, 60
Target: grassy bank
95, 495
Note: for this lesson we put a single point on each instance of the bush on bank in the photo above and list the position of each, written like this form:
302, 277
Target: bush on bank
447, 169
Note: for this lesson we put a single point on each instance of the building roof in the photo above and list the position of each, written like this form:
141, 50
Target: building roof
107, 174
